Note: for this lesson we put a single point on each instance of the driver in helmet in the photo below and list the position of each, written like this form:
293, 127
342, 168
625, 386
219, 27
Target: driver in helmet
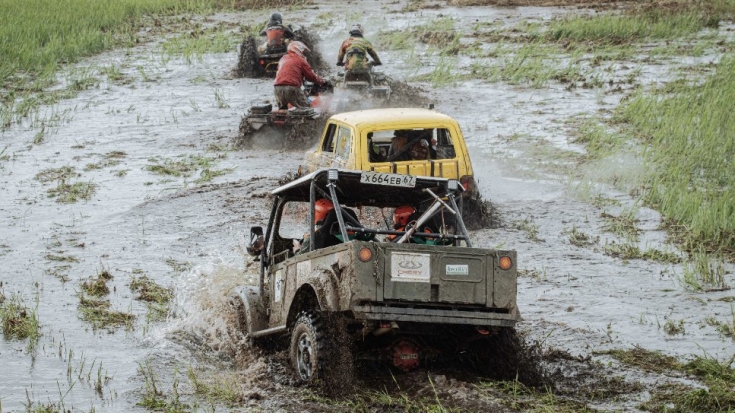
276, 35
292, 69
322, 207
354, 50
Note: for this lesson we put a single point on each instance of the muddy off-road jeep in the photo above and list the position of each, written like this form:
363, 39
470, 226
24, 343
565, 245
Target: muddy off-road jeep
362, 289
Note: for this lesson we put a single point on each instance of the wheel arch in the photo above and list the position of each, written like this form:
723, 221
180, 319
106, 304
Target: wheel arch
317, 293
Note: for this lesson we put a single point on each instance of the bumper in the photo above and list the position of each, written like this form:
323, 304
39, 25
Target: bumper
434, 316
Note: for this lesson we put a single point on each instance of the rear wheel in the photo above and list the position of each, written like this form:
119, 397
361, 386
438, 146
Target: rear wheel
247, 62
320, 352
308, 347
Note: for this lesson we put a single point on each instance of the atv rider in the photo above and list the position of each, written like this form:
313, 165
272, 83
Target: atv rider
353, 53
292, 69
277, 34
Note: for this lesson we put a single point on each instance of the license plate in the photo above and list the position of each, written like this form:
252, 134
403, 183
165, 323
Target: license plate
379, 178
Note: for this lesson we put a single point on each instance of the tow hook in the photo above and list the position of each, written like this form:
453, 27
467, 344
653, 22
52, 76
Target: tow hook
385, 328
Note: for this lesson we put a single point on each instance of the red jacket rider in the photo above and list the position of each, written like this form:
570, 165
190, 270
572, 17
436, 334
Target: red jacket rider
292, 69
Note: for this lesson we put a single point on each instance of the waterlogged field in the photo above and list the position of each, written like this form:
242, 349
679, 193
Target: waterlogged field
603, 142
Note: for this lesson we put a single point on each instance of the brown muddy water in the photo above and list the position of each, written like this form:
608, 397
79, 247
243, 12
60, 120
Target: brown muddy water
186, 232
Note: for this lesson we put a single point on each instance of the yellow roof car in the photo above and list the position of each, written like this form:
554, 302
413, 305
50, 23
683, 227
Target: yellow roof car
411, 141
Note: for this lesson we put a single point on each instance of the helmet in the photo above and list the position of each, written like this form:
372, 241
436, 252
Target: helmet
276, 17
298, 48
321, 209
356, 29
402, 214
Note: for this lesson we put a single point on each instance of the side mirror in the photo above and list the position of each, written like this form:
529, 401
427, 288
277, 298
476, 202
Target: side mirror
256, 244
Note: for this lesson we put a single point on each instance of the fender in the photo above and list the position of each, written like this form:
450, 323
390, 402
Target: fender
319, 288
249, 308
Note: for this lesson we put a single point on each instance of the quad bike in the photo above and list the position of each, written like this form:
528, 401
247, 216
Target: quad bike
252, 63
364, 83
264, 117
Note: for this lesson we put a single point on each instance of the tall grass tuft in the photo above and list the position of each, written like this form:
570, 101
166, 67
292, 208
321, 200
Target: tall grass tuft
19, 321
648, 21
691, 154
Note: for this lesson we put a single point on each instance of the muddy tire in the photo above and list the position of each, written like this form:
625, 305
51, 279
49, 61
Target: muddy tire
247, 61
504, 356
308, 350
245, 135
476, 212
318, 355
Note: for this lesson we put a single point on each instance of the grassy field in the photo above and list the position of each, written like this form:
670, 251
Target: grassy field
690, 156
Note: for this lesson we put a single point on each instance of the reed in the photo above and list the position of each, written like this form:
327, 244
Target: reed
646, 21
690, 155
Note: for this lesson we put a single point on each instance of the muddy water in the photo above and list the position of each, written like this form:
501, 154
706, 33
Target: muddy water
188, 235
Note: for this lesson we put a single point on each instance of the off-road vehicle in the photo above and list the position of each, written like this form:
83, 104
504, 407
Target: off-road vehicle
365, 289
362, 140
252, 63
433, 145
265, 118
355, 86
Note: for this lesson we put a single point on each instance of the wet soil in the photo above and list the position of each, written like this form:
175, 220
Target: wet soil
186, 231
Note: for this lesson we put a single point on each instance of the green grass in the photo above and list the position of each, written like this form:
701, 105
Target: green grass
725, 328
718, 395
689, 136
533, 64
622, 225
646, 360
39, 35
182, 167
97, 312
149, 291
579, 238
56, 174
640, 24
66, 193
195, 44
630, 251
704, 271
519, 397
19, 321
97, 286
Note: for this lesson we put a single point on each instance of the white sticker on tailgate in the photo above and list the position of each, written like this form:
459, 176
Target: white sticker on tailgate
457, 269
379, 178
407, 267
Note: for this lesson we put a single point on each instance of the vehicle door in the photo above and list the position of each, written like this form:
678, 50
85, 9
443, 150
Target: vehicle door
290, 230
324, 155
